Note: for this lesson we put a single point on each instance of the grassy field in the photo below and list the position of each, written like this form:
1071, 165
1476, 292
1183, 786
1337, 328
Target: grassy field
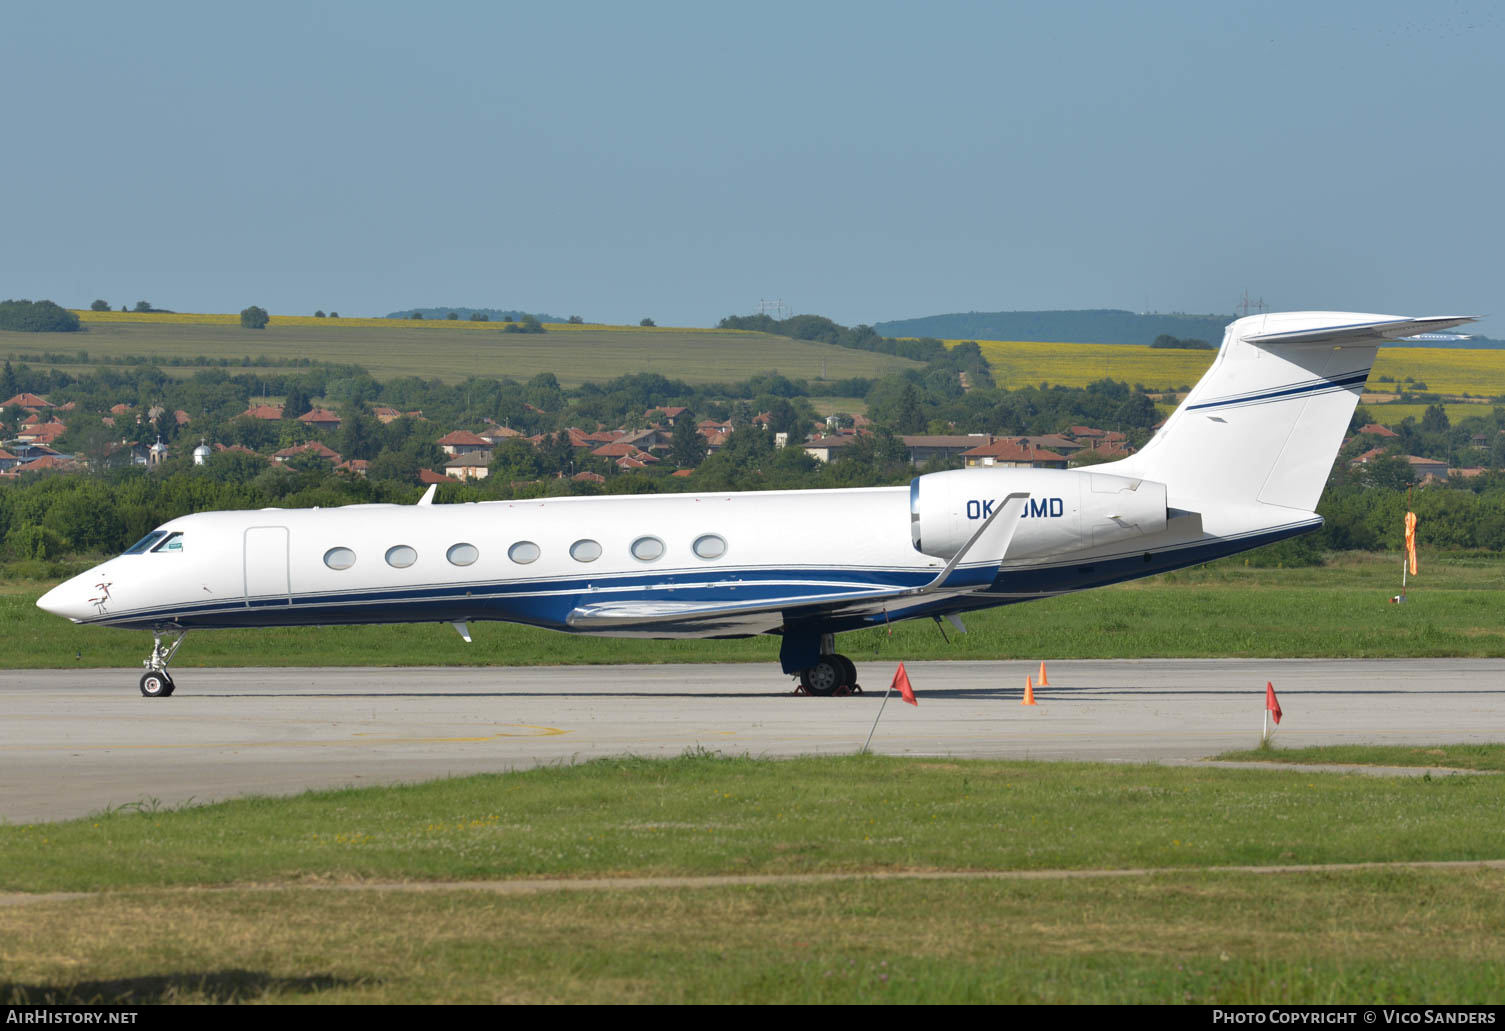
1447, 757
1018, 363
468, 890
455, 350
576, 353
1457, 607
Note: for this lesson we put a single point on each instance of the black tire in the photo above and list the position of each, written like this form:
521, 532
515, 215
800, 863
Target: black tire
824, 677
155, 684
851, 668
171, 687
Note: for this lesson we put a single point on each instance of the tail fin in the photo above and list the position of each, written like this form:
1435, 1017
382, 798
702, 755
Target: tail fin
1264, 424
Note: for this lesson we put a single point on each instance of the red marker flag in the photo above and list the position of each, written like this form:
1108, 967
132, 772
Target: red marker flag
1271, 703
901, 684
1411, 541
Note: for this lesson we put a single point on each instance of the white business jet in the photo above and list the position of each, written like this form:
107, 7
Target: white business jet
1240, 463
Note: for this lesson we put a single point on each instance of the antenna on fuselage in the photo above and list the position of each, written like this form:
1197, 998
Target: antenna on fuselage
428, 495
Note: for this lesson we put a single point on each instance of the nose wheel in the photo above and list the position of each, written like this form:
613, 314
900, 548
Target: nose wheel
155, 682
157, 685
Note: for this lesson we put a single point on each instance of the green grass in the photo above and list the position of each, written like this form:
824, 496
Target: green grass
1403, 937
452, 354
290, 920
702, 815
1446, 757
1457, 608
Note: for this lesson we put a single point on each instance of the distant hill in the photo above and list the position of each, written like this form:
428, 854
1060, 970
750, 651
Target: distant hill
495, 314
1097, 326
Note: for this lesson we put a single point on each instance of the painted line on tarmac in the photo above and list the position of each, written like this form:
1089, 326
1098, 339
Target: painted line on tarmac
545, 885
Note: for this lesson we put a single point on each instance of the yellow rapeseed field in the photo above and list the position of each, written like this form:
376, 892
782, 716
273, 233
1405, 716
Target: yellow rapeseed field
1018, 363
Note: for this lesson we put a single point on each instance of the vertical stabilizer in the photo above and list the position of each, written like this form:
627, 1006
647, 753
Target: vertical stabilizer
1265, 422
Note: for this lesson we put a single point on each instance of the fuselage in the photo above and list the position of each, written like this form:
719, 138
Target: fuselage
537, 562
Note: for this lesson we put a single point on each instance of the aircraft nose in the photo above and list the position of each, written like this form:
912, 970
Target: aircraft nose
69, 599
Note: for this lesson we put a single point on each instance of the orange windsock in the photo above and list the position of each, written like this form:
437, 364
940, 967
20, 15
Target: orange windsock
1411, 541
1029, 692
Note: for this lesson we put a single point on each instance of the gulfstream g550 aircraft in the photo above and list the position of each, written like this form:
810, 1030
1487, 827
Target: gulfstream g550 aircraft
1241, 463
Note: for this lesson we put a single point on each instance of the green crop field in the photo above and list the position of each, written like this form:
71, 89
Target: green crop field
454, 350
1455, 608
842, 879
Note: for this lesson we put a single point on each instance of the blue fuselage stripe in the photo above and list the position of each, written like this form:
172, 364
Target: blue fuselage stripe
1339, 383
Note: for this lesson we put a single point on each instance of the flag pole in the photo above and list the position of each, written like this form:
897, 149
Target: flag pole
876, 719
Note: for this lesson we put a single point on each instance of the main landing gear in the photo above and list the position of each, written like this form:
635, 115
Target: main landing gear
155, 682
831, 674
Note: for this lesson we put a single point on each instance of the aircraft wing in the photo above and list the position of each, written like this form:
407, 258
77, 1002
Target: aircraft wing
972, 568
1360, 332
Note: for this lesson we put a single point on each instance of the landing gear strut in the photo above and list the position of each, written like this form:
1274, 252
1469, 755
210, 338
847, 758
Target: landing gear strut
155, 682
831, 674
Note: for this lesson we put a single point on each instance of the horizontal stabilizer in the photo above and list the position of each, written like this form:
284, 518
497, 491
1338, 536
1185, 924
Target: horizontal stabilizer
1376, 331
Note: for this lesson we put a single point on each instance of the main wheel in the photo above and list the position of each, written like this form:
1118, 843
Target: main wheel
824, 677
155, 684
851, 670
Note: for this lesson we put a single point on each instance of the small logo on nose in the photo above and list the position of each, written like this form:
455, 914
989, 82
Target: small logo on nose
102, 597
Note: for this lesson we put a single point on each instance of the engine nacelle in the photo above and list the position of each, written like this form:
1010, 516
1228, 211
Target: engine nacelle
1068, 509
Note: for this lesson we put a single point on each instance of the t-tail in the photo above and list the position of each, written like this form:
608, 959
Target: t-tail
1260, 430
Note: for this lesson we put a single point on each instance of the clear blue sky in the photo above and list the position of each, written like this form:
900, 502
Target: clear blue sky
866, 161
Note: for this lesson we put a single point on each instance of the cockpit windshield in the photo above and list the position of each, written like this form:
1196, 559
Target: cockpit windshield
145, 542
172, 545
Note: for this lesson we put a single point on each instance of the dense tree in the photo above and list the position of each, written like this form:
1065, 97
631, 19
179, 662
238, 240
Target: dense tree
687, 447
37, 317
254, 317
100, 306
647, 322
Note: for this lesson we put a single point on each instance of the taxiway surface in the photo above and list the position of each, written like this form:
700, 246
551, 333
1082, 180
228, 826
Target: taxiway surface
76, 741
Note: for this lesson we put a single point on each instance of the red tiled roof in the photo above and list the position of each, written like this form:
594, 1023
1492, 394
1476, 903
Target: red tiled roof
313, 447
429, 476
28, 401
1006, 450
1377, 430
319, 415
267, 412
37, 465
462, 437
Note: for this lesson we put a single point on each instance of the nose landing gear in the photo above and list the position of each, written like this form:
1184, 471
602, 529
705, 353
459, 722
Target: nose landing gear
155, 682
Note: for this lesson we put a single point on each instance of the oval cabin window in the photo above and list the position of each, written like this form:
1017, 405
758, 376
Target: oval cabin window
585, 551
523, 552
401, 556
647, 549
339, 558
462, 554
709, 546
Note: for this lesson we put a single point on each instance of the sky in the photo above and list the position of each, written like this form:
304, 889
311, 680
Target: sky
865, 161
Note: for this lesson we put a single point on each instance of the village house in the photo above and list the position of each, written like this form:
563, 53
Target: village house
1012, 453
320, 419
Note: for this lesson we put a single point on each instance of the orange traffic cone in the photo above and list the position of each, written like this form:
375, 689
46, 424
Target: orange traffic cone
1043, 681
1029, 692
